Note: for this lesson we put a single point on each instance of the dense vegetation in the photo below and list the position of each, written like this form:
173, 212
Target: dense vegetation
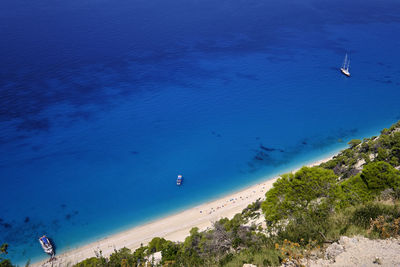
355, 193
385, 148
3, 251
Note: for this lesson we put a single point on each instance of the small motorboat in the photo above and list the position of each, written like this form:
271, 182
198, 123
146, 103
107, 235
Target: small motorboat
179, 180
46, 245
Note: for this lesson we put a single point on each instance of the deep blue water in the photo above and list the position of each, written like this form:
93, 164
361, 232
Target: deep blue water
103, 103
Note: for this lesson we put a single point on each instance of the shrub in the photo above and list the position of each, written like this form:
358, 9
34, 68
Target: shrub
354, 191
122, 255
363, 214
379, 176
169, 251
92, 262
354, 142
293, 193
6, 263
311, 225
156, 244
291, 252
385, 228
260, 257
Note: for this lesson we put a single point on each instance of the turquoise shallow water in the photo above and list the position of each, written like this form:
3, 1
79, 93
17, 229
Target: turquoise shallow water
103, 103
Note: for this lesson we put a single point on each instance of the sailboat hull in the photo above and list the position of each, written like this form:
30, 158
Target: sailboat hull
345, 72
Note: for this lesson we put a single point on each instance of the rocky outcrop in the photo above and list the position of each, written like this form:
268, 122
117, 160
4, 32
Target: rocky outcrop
360, 251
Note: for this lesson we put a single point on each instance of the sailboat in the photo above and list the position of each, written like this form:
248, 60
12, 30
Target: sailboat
345, 67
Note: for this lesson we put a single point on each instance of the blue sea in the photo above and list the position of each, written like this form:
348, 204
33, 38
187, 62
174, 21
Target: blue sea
104, 102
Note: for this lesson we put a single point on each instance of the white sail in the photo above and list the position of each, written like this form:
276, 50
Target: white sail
346, 66
344, 62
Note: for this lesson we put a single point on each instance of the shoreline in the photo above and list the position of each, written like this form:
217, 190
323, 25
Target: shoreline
174, 227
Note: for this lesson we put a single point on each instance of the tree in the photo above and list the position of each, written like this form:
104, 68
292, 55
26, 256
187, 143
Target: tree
139, 254
394, 161
189, 254
3, 248
156, 244
293, 193
92, 262
122, 255
355, 191
385, 131
382, 154
396, 151
169, 251
220, 239
354, 142
379, 176
4, 262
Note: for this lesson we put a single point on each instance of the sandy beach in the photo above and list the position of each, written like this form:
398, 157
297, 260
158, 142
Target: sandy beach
174, 227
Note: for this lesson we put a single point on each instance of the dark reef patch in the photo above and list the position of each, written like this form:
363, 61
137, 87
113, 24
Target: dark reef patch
271, 149
216, 134
27, 219
12, 139
276, 58
250, 77
23, 145
266, 156
384, 65
69, 216
334, 68
268, 149
258, 158
7, 225
55, 222
341, 39
31, 160
36, 148
384, 81
80, 115
34, 125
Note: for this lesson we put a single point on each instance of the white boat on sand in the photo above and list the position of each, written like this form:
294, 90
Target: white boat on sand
46, 245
